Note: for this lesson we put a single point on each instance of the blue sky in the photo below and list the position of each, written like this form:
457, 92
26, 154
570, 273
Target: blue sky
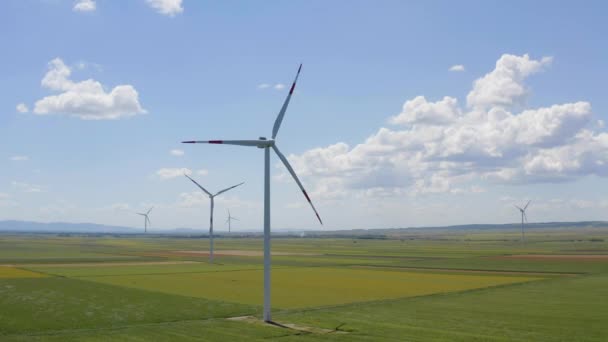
154, 73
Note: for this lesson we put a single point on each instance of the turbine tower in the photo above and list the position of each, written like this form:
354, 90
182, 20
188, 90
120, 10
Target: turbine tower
523, 217
211, 198
268, 144
146, 219
230, 219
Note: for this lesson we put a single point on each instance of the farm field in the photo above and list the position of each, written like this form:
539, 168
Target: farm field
461, 286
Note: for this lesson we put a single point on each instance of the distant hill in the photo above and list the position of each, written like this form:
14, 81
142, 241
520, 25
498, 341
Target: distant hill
63, 227
13, 226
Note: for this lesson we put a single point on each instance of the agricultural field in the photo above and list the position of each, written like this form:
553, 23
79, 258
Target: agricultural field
481, 285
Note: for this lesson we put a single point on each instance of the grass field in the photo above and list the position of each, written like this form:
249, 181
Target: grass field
460, 286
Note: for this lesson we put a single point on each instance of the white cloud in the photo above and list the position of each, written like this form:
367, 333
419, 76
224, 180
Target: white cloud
87, 99
84, 6
169, 173
442, 148
457, 67
503, 87
26, 187
276, 86
177, 153
167, 7
20, 158
202, 172
22, 108
419, 110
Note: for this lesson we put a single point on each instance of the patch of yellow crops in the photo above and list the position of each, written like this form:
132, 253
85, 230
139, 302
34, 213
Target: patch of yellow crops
310, 287
12, 272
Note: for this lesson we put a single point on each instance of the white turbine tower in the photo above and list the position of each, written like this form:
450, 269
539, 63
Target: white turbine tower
267, 144
146, 219
523, 217
230, 219
211, 198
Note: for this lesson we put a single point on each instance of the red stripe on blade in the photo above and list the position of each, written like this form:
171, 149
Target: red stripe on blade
306, 195
216, 141
292, 88
188, 142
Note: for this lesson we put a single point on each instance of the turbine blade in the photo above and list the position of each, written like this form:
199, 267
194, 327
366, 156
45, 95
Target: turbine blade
518, 207
295, 177
150, 210
525, 217
193, 181
232, 187
279, 119
527, 204
260, 143
234, 218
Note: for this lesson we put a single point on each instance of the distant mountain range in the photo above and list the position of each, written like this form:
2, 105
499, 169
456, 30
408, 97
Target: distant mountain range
92, 228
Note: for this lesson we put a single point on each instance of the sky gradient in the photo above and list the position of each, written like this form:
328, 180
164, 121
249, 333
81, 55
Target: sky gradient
405, 114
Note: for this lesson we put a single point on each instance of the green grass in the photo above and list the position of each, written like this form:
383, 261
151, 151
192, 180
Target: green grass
396, 289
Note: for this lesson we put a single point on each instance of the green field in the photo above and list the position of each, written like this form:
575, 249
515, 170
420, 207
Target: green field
455, 286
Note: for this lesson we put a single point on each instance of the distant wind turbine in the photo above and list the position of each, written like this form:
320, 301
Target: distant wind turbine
211, 198
146, 219
267, 144
523, 217
229, 220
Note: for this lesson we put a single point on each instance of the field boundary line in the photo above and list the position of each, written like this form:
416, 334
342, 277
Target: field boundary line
468, 270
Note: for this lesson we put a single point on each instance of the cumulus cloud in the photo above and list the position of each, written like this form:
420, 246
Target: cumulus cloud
84, 6
440, 147
26, 187
20, 158
22, 108
177, 153
167, 7
87, 100
457, 68
279, 86
419, 110
169, 173
504, 86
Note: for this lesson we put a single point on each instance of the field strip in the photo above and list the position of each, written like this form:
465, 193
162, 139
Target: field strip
561, 257
464, 270
104, 264
238, 252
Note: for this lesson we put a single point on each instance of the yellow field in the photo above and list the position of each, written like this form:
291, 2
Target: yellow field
310, 287
11, 272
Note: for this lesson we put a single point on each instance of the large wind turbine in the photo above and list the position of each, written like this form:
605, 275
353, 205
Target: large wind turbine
523, 217
230, 219
268, 144
211, 198
146, 219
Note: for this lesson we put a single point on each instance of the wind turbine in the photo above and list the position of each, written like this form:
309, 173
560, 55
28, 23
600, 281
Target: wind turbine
268, 144
229, 220
211, 197
146, 219
523, 217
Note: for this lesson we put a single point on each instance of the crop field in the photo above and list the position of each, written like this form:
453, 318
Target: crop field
454, 286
